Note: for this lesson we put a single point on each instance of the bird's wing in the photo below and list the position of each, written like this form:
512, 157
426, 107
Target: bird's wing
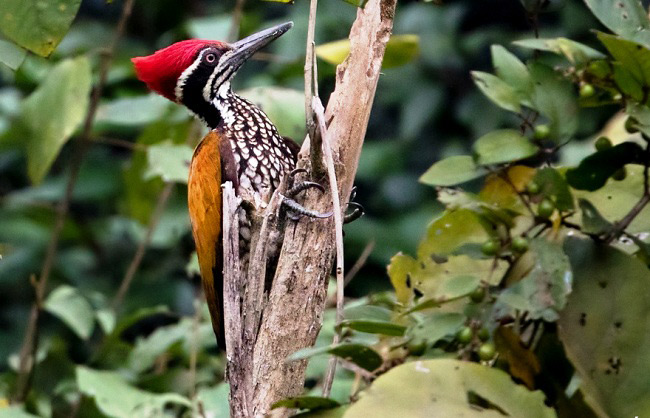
212, 164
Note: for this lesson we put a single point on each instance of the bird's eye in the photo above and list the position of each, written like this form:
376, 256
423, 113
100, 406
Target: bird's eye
210, 58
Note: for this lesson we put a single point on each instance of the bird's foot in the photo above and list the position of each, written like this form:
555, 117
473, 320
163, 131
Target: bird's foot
357, 209
295, 210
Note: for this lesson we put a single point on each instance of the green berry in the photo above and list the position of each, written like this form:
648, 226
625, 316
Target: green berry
486, 351
586, 91
620, 174
545, 208
519, 245
532, 188
417, 348
603, 143
483, 334
542, 131
630, 125
490, 247
464, 335
478, 294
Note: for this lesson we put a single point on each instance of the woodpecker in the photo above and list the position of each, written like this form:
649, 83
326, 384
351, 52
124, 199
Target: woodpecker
243, 146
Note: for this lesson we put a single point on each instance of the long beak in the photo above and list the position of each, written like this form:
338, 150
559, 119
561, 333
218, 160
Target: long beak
245, 48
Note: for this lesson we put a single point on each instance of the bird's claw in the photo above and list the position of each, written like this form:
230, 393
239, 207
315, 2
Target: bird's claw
357, 212
295, 210
304, 186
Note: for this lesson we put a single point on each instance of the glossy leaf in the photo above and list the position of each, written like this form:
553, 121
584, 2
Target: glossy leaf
593, 171
436, 326
511, 70
38, 26
627, 18
444, 386
575, 52
592, 221
553, 97
543, 292
66, 303
497, 90
450, 231
634, 57
117, 398
11, 54
452, 171
66, 89
502, 146
400, 50
604, 328
375, 327
552, 184
361, 355
311, 403
617, 198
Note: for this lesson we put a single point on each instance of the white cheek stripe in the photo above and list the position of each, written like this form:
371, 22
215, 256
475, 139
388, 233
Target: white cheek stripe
207, 89
178, 91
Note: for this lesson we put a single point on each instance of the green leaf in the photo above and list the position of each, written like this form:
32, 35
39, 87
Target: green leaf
553, 185
543, 291
436, 326
375, 327
11, 55
311, 403
285, 107
511, 70
65, 89
147, 350
170, 162
604, 328
367, 312
37, 25
450, 231
617, 198
452, 171
66, 303
553, 97
593, 171
634, 57
116, 398
445, 386
627, 18
577, 53
133, 111
503, 146
15, 411
214, 401
106, 319
400, 49
592, 221
361, 355
497, 90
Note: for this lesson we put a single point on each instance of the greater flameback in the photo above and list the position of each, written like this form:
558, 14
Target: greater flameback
243, 146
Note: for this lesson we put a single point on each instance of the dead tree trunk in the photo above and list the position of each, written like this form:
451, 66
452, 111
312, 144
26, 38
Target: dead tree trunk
262, 332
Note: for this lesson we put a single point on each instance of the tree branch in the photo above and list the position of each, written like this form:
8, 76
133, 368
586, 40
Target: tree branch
292, 317
30, 341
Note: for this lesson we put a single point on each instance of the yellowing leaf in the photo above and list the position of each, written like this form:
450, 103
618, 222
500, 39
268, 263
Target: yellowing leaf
400, 50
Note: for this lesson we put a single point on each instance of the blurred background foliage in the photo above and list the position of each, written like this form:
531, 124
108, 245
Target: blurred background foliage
159, 344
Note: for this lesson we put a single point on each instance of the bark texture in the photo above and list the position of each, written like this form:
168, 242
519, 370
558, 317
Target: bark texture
290, 318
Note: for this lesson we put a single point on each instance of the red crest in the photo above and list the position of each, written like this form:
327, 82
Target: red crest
161, 70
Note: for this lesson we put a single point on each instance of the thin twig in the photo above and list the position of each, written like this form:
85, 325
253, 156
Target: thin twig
319, 112
235, 20
120, 143
161, 204
30, 342
311, 91
361, 261
620, 226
